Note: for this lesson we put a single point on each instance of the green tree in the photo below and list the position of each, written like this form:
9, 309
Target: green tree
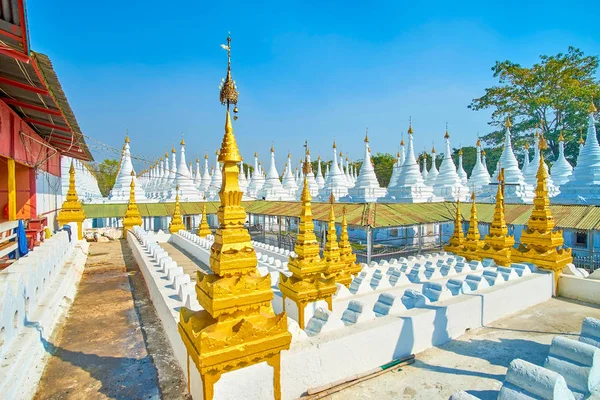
106, 173
554, 93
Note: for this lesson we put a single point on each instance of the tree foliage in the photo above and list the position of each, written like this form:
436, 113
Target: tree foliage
106, 174
554, 94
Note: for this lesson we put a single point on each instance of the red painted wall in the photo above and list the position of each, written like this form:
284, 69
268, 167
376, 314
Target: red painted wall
20, 142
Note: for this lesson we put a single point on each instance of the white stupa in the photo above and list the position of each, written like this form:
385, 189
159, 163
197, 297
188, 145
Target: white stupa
424, 173
448, 184
272, 188
257, 180
242, 177
367, 187
334, 182
515, 190
289, 181
433, 171
480, 177
216, 180
310, 176
121, 188
198, 174
561, 169
526, 161
530, 174
410, 186
462, 174
319, 178
583, 186
187, 188
169, 188
205, 177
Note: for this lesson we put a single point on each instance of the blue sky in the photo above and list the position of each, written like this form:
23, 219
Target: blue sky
305, 70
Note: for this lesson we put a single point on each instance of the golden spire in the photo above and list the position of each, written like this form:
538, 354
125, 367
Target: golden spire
197, 160
526, 146
132, 215
447, 135
334, 145
592, 108
167, 154
310, 281
255, 154
236, 326
473, 242
433, 149
204, 228
398, 154
127, 138
460, 151
272, 149
367, 136
347, 257
182, 143
331, 253
176, 223
507, 123
540, 243
478, 142
483, 153
402, 142
410, 129
72, 209
581, 141
455, 244
498, 244
561, 138
173, 150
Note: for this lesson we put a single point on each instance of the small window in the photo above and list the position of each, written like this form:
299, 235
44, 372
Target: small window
581, 239
394, 232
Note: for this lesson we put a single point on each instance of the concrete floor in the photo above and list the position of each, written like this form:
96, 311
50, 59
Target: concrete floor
477, 361
112, 344
184, 259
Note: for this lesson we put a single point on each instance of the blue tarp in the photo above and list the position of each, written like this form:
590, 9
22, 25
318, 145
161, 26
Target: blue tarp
22, 238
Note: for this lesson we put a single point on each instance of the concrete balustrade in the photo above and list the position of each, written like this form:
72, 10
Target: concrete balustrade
35, 294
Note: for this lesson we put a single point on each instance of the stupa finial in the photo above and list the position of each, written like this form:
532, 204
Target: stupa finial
592, 108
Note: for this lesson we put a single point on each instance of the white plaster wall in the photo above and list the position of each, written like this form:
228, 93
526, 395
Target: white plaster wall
36, 293
578, 288
354, 349
314, 361
48, 196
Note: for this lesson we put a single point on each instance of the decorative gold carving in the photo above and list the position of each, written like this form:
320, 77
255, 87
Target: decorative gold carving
310, 280
237, 326
204, 228
540, 243
132, 215
176, 222
456, 242
72, 210
473, 242
498, 244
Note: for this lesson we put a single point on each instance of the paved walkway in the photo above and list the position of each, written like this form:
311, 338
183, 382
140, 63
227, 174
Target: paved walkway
477, 361
184, 259
112, 345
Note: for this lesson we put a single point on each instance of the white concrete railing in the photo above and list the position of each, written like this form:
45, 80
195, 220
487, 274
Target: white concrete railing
35, 293
575, 283
169, 287
8, 237
386, 289
200, 249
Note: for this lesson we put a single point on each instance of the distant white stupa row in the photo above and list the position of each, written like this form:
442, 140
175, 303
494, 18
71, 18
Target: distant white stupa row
409, 182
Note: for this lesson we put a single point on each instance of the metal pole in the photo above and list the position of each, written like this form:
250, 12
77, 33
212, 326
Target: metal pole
369, 244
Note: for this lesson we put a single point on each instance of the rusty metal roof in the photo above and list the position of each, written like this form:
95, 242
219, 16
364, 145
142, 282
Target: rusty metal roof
377, 215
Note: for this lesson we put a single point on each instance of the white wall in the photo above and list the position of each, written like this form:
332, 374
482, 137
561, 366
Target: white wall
48, 196
578, 288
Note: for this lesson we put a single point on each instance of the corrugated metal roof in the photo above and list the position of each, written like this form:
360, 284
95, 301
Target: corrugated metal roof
378, 215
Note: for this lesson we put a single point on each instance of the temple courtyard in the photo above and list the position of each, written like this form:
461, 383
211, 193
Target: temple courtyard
112, 345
